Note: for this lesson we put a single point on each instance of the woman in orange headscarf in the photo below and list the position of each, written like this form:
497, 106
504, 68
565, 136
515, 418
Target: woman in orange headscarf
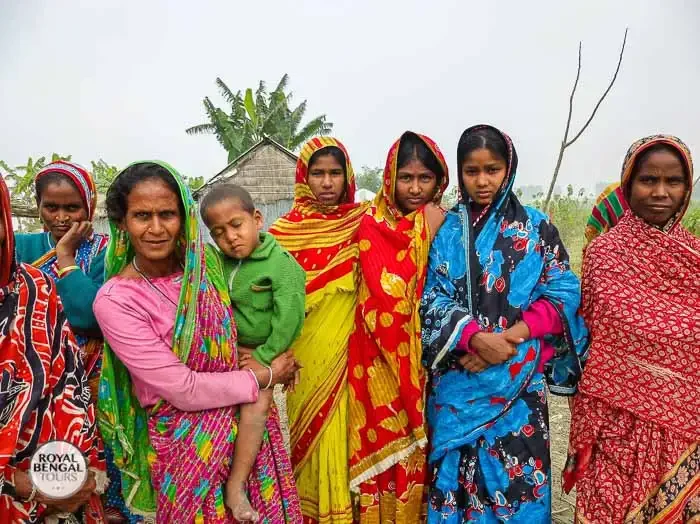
387, 380
319, 232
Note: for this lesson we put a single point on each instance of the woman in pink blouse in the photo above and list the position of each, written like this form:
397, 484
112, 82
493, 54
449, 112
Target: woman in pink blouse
170, 383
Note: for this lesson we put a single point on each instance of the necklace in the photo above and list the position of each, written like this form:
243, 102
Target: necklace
151, 284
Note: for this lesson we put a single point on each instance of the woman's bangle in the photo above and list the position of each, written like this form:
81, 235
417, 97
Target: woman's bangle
32, 494
255, 378
68, 269
269, 368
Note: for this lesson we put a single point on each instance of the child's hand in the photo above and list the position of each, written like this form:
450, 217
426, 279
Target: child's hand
244, 350
290, 387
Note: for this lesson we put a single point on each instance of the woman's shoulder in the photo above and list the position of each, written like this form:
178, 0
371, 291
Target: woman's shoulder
121, 290
453, 217
536, 215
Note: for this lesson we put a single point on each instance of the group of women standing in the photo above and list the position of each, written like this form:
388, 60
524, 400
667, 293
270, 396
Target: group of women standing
429, 343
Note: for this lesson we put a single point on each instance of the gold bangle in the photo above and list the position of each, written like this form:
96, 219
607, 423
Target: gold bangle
64, 271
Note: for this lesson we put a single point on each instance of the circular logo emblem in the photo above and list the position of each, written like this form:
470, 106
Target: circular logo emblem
58, 469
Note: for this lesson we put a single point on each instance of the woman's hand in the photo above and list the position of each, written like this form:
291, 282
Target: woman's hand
473, 363
23, 486
495, 348
70, 242
434, 216
283, 368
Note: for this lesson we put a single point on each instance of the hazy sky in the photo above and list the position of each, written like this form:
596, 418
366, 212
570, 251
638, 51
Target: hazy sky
121, 80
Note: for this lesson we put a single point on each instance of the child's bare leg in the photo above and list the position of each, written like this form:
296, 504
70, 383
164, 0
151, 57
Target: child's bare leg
250, 433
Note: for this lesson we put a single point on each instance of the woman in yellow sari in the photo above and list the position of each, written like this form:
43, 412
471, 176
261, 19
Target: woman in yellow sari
319, 232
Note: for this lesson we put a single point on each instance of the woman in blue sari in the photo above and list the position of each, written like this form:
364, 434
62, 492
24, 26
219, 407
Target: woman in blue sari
500, 321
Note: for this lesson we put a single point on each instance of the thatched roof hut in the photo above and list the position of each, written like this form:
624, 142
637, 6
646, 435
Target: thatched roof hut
267, 171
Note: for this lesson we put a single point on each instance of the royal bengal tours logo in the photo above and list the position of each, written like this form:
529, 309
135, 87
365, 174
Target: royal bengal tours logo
58, 469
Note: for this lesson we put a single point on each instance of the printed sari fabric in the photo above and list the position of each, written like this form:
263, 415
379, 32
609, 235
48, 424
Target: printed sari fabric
386, 378
44, 392
489, 430
322, 240
633, 449
175, 461
89, 249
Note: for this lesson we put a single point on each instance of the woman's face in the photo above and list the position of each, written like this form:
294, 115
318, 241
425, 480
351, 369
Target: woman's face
153, 220
658, 188
60, 205
482, 174
415, 186
326, 179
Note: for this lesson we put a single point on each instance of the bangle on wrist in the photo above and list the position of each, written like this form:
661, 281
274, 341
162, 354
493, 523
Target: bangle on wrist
269, 368
32, 495
255, 378
66, 270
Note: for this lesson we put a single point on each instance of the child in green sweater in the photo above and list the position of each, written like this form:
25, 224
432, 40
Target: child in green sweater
267, 289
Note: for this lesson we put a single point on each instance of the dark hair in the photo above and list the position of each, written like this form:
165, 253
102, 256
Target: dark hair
482, 138
121, 187
333, 151
656, 148
53, 177
221, 192
412, 147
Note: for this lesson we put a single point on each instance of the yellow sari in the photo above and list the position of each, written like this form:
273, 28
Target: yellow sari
321, 238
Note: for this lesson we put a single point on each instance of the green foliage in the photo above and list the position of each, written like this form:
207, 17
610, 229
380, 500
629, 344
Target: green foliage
569, 213
254, 115
691, 220
195, 183
369, 178
103, 174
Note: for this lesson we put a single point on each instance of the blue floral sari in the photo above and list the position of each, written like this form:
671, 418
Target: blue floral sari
490, 430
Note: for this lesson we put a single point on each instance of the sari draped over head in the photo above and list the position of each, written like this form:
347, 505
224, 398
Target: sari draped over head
633, 449
172, 461
322, 240
44, 393
489, 269
386, 377
89, 248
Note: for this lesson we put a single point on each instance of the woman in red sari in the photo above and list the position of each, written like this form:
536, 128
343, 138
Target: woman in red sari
633, 449
44, 393
386, 377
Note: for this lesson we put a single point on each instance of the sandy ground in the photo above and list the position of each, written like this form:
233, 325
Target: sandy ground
562, 505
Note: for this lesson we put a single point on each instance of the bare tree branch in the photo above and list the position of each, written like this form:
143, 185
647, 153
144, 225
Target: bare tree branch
566, 131
612, 81
566, 142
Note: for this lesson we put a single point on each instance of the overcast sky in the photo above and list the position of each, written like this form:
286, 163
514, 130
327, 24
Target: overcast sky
121, 80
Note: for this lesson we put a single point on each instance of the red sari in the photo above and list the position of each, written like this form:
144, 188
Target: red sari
387, 427
44, 393
635, 429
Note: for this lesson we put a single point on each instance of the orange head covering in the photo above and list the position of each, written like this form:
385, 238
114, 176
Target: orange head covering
320, 237
386, 404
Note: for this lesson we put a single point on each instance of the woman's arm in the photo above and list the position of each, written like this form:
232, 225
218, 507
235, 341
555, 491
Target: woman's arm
77, 291
444, 318
152, 362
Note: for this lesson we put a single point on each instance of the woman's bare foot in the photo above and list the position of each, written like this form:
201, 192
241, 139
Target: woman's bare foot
237, 502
